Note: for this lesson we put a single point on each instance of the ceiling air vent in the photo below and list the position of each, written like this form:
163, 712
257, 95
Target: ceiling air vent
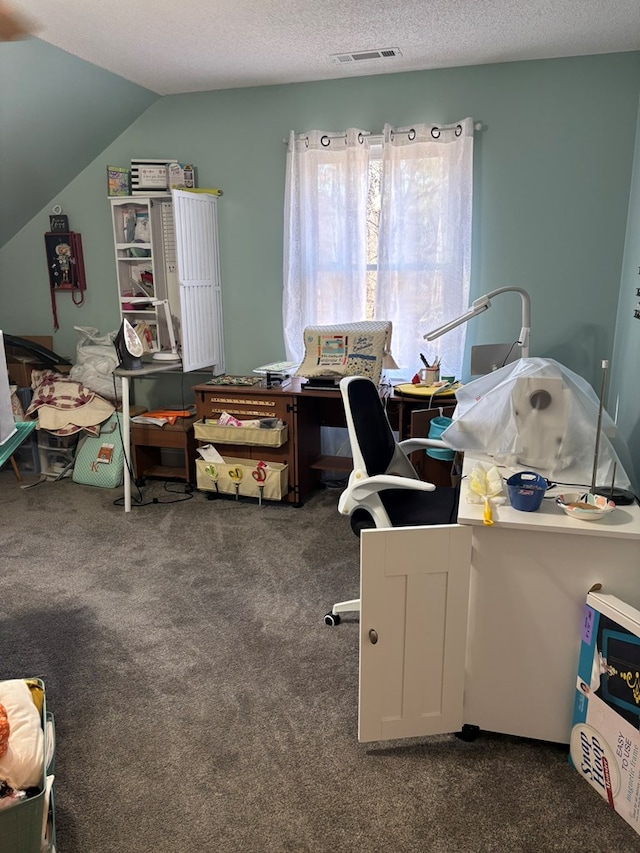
385, 53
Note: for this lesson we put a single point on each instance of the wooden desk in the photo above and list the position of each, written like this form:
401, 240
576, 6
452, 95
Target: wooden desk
299, 410
305, 412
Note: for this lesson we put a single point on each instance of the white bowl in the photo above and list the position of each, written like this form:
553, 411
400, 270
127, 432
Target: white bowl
597, 506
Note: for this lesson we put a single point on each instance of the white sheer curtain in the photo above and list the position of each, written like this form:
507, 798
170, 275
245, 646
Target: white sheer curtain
424, 246
325, 268
424, 242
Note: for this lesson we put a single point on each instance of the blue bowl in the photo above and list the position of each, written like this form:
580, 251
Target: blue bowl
526, 490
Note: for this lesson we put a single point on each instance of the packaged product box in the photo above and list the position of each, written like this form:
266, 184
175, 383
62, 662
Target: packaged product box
181, 176
605, 741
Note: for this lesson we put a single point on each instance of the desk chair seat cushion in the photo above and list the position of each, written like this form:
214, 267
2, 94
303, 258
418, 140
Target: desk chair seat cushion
407, 508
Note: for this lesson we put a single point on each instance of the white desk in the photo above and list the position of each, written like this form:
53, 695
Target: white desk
148, 369
529, 575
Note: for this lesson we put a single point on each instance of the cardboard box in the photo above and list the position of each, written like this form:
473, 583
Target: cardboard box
20, 362
181, 176
605, 741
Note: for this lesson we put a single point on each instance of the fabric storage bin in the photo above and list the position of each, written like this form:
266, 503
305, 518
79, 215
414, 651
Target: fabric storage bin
22, 824
216, 433
275, 486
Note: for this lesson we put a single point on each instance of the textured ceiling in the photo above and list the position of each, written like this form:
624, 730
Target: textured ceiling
173, 47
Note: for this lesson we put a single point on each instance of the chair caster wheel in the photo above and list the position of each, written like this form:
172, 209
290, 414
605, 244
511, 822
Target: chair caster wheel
331, 619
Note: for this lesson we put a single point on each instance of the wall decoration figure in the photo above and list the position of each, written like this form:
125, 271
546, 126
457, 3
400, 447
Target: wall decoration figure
65, 266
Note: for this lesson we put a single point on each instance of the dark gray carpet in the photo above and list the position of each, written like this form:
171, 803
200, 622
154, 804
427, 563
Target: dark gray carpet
202, 705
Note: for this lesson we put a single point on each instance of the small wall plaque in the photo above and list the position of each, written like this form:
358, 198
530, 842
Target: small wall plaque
59, 223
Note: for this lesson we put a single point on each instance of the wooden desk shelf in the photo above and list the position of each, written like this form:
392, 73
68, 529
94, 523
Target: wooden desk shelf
147, 443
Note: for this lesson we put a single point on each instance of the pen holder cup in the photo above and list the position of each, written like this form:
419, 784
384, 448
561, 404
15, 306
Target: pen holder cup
526, 491
429, 375
436, 428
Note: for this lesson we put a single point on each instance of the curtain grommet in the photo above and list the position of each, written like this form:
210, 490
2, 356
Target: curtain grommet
435, 132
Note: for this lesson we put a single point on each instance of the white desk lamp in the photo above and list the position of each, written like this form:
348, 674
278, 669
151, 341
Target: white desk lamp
172, 354
481, 304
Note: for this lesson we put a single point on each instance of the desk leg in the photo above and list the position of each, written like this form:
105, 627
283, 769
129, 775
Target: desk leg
126, 440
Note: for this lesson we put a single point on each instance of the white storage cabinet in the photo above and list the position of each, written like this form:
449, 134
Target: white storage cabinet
166, 248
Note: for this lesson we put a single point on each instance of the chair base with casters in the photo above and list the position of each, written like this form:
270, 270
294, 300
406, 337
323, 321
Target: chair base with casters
333, 616
384, 489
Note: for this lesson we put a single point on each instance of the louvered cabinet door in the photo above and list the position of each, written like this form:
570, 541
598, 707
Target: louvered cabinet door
198, 273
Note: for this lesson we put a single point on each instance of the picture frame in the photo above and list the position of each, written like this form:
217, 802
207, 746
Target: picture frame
65, 263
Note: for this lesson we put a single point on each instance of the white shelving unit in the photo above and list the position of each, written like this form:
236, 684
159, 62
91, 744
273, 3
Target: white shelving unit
143, 261
166, 248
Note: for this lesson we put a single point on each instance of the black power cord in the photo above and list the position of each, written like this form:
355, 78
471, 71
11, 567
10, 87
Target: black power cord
139, 502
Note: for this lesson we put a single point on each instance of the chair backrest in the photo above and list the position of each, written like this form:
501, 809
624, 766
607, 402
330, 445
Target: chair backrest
373, 444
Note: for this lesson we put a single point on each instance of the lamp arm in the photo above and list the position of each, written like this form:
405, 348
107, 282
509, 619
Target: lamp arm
481, 304
164, 303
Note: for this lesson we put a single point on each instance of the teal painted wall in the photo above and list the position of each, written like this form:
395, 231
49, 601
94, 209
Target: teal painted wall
623, 397
57, 113
553, 169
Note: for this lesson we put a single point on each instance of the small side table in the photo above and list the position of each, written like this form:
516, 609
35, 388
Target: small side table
148, 441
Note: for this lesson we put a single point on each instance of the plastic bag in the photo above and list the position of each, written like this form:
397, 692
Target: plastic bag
539, 414
96, 360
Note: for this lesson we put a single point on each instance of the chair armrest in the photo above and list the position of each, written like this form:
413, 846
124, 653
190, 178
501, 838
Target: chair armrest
359, 490
411, 444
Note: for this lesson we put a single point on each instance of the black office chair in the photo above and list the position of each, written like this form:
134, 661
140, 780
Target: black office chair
384, 489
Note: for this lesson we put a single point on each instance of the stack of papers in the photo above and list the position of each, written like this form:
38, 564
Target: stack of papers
284, 368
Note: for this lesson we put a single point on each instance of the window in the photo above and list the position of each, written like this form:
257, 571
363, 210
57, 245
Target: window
380, 229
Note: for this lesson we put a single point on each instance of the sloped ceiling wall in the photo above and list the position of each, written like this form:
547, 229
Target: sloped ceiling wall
57, 113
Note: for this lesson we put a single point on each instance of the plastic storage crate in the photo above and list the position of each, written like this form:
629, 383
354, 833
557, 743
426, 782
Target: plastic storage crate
21, 825
56, 452
27, 456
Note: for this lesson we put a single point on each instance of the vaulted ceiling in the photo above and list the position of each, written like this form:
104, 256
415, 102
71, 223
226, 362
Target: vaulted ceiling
173, 47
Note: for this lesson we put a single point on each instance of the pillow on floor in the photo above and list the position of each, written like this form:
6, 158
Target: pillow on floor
21, 765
